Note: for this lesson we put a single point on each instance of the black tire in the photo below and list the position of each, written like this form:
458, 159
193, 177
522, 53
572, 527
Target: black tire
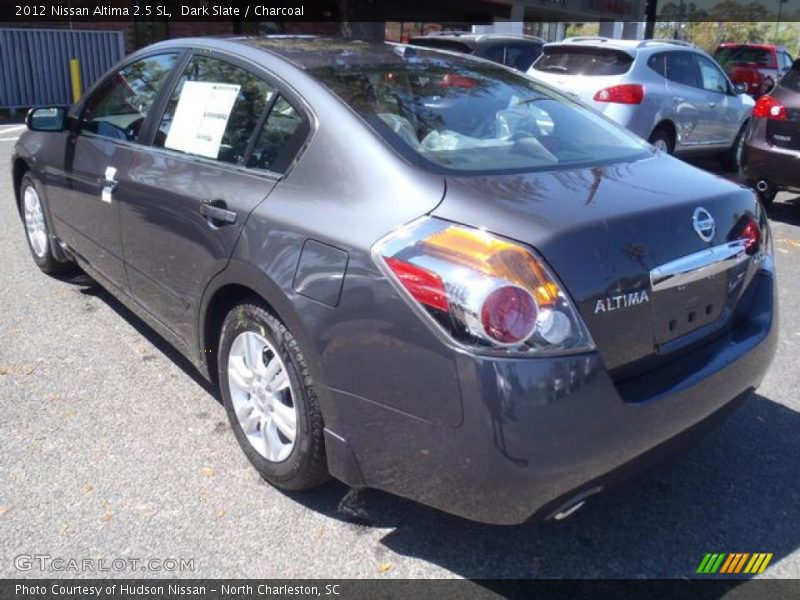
729, 160
45, 261
306, 465
662, 134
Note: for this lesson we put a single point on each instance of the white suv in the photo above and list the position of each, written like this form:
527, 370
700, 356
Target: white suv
668, 92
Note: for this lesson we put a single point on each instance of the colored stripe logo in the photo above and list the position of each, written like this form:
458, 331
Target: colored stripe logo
731, 563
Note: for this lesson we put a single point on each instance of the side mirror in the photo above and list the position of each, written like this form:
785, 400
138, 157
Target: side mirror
740, 88
47, 118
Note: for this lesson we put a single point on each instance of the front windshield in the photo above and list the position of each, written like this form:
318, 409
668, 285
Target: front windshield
471, 116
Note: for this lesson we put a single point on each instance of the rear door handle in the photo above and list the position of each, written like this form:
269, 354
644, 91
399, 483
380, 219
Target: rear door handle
712, 104
217, 213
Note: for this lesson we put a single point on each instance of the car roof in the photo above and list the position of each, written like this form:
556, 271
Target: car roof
629, 46
311, 52
749, 45
475, 38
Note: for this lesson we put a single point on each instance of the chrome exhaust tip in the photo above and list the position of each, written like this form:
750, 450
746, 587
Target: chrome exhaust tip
568, 512
573, 505
762, 186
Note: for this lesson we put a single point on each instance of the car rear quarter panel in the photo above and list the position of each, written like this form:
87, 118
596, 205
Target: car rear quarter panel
348, 190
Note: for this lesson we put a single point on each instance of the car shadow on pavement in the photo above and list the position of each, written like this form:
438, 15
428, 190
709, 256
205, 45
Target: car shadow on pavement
734, 491
88, 287
785, 211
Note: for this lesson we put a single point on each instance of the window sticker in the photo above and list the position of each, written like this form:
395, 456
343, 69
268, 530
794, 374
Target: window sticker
201, 117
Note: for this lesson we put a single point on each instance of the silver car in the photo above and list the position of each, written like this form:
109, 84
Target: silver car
668, 92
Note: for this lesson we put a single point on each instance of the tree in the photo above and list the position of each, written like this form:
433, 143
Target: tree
358, 18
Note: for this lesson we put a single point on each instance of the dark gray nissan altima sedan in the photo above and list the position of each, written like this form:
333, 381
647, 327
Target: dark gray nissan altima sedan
408, 269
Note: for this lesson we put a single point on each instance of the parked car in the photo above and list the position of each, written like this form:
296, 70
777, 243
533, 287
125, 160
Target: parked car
670, 93
515, 51
771, 151
498, 322
758, 66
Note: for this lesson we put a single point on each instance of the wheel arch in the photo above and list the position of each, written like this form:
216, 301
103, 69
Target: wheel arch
19, 169
238, 282
669, 126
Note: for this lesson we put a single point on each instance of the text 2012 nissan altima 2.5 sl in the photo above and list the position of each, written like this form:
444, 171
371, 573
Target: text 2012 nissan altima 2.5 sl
408, 269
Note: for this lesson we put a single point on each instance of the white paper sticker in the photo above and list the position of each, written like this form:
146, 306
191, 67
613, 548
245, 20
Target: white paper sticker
201, 117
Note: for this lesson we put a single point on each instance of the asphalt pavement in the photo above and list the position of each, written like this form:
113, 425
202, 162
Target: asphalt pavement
112, 447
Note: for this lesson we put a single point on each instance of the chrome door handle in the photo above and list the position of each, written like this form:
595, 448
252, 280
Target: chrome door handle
678, 99
712, 104
217, 214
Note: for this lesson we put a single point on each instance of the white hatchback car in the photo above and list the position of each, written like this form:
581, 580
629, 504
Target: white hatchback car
668, 92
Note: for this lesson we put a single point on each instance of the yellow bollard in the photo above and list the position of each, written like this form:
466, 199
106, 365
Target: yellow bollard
75, 75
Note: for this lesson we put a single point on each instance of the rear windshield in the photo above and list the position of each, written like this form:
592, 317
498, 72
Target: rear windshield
471, 116
583, 61
743, 55
442, 44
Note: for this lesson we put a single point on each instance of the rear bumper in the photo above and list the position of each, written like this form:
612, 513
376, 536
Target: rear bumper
538, 432
761, 160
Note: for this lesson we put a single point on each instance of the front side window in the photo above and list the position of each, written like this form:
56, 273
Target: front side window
712, 78
214, 110
465, 116
681, 68
119, 107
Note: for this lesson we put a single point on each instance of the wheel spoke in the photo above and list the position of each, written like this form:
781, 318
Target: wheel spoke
271, 438
285, 420
279, 382
251, 422
252, 352
239, 374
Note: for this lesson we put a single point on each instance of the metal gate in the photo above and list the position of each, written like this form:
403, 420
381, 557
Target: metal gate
34, 63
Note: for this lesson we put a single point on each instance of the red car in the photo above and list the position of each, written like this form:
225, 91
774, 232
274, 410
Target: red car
759, 66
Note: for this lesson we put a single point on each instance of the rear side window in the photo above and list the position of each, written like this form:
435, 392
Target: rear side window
681, 68
214, 110
118, 108
572, 60
521, 56
657, 62
280, 139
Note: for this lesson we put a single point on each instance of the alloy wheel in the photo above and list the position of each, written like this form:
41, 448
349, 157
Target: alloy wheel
262, 396
34, 221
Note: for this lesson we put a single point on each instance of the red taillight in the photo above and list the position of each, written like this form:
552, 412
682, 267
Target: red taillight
426, 287
509, 315
751, 233
457, 81
769, 108
627, 93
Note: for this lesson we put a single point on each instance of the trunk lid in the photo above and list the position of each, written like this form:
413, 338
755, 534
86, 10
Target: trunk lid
603, 230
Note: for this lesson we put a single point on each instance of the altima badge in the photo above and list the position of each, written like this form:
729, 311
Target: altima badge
613, 303
704, 224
